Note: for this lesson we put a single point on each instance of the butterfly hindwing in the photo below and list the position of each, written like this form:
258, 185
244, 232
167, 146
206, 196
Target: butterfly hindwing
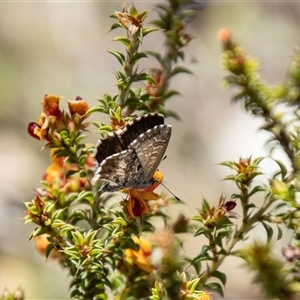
121, 170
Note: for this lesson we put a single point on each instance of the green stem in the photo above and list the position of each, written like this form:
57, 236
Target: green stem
129, 73
246, 226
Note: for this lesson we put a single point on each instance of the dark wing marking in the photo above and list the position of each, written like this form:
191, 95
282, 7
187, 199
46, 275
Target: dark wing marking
140, 125
118, 141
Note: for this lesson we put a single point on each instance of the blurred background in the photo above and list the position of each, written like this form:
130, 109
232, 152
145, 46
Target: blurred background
60, 48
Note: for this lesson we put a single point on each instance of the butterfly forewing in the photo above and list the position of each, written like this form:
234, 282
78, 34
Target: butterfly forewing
140, 125
119, 140
150, 148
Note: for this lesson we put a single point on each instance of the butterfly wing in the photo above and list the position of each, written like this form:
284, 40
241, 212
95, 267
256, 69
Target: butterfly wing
150, 148
119, 171
118, 141
129, 158
140, 125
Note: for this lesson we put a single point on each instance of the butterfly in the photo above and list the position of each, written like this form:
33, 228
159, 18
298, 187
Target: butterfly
129, 157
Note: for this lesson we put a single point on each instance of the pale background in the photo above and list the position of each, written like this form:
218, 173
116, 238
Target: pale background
60, 48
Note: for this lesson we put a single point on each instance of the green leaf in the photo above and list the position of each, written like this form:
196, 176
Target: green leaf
78, 215
283, 169
192, 285
82, 160
70, 173
236, 196
220, 276
250, 205
196, 264
205, 205
200, 231
137, 56
79, 138
256, 190
179, 69
49, 248
97, 109
78, 238
114, 26
156, 55
204, 250
269, 230
132, 11
147, 30
215, 287
86, 195
228, 164
280, 233
105, 128
123, 39
119, 55
169, 93
132, 102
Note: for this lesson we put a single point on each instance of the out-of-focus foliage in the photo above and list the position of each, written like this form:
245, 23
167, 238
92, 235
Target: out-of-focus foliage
76, 227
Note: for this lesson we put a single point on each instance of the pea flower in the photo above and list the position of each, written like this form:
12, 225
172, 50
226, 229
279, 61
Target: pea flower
50, 105
78, 106
141, 256
41, 244
136, 205
39, 130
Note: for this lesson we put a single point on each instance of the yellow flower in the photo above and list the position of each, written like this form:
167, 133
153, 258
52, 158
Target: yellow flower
205, 296
50, 105
78, 106
53, 171
39, 129
140, 257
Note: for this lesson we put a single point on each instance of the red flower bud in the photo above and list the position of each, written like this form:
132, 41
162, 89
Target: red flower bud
31, 130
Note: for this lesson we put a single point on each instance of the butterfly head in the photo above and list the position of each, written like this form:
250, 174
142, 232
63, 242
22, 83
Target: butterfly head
157, 178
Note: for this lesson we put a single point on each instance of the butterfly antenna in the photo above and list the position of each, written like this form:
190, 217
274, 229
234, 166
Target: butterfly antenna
177, 198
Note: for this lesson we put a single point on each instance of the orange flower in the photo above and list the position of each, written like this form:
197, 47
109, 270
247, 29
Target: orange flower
50, 105
53, 171
224, 35
39, 129
205, 296
140, 257
55, 159
41, 244
136, 205
78, 106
